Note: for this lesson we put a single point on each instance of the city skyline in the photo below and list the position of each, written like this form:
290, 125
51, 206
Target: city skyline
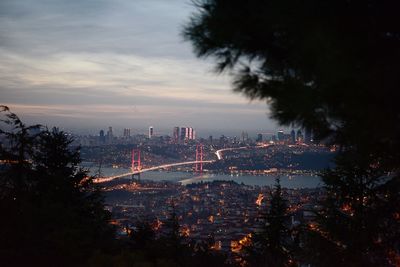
89, 65
158, 132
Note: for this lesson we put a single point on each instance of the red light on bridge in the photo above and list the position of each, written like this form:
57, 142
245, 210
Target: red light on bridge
136, 164
199, 158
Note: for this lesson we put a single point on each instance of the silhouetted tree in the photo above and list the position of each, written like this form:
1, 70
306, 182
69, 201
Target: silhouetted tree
54, 213
333, 67
271, 246
330, 66
172, 238
142, 235
16, 179
204, 254
359, 223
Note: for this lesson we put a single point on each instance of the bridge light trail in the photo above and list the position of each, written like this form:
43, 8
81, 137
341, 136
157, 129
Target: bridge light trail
218, 153
111, 178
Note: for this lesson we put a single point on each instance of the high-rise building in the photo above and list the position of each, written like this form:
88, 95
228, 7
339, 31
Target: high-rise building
110, 132
183, 133
110, 135
127, 133
175, 134
102, 137
190, 133
187, 131
151, 131
281, 136
293, 137
245, 136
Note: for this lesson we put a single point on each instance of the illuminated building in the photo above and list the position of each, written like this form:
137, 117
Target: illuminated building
183, 133
190, 133
127, 132
187, 133
151, 131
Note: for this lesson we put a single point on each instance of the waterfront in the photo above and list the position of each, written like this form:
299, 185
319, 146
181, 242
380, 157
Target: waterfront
287, 181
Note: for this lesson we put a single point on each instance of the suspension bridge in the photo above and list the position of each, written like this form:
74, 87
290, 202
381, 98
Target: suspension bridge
136, 165
136, 168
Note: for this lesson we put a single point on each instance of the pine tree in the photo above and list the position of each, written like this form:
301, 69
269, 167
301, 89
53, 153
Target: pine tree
271, 246
143, 235
358, 224
173, 237
54, 212
333, 67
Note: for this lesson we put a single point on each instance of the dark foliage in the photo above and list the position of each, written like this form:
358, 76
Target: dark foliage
359, 223
273, 245
52, 214
143, 248
143, 235
333, 67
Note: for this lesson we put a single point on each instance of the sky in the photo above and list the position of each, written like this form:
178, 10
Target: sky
89, 64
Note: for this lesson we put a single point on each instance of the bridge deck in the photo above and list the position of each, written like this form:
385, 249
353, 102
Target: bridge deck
110, 178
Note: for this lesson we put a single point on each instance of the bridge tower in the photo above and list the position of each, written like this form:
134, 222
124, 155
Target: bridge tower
199, 157
136, 163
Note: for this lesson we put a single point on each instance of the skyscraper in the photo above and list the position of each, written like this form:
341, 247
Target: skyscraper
175, 134
102, 137
186, 133
127, 133
245, 136
190, 133
183, 133
110, 135
281, 136
151, 131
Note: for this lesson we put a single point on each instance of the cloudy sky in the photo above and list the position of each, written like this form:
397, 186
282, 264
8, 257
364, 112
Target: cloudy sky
90, 64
